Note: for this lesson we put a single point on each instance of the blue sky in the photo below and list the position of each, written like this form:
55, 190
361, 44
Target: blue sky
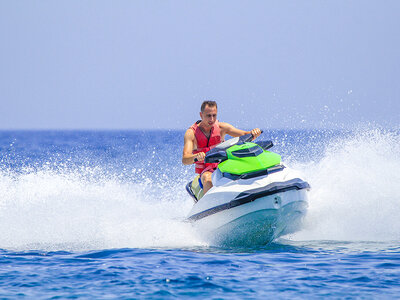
150, 64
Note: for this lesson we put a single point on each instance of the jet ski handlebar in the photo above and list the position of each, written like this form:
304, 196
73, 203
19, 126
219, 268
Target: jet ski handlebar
218, 153
247, 137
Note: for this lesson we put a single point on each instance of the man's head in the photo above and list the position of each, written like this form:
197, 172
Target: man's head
208, 103
208, 113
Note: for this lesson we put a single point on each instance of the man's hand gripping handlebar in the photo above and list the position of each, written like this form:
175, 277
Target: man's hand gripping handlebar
199, 156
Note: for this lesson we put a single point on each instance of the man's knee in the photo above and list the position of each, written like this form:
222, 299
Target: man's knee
206, 177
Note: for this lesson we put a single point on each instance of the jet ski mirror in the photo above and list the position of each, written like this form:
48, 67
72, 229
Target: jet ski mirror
265, 144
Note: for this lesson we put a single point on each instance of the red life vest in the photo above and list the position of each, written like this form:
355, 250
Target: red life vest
205, 143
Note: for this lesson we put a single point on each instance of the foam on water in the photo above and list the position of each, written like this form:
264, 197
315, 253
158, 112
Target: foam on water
73, 210
355, 189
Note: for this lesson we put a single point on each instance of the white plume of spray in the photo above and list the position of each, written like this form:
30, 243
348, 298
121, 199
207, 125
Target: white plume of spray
72, 210
355, 189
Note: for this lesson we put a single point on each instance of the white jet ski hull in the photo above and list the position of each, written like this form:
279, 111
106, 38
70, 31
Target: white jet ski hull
251, 212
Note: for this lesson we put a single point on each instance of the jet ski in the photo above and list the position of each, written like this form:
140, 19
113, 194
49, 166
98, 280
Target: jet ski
254, 200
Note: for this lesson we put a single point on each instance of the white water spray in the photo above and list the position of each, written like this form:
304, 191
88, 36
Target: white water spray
355, 196
67, 210
355, 189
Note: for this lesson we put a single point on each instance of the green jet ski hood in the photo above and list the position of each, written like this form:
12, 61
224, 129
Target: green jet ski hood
246, 158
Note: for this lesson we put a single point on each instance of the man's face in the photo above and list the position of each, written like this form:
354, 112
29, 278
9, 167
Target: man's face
209, 115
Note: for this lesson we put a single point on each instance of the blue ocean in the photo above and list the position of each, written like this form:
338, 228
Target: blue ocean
101, 214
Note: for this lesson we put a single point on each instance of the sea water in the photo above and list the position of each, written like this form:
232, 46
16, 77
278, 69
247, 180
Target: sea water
101, 214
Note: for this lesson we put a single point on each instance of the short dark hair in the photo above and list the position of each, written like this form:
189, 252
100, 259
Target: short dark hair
209, 103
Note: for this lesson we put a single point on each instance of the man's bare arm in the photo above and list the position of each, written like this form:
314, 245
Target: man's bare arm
231, 130
188, 156
235, 132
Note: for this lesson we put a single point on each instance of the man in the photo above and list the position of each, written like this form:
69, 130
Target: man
203, 136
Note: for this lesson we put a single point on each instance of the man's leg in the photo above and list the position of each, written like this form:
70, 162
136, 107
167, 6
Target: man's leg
206, 181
